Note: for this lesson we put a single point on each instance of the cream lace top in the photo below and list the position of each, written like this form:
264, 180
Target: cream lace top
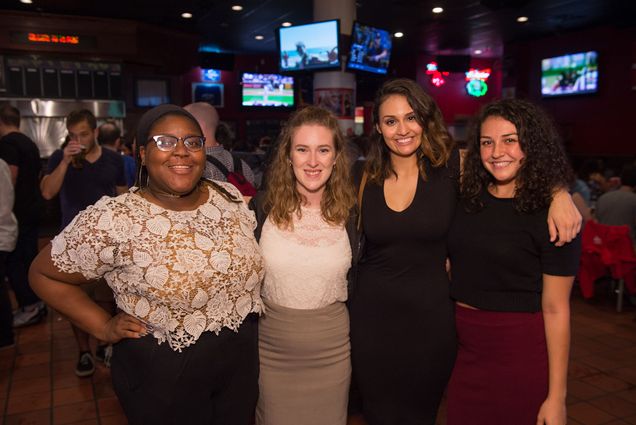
181, 272
305, 268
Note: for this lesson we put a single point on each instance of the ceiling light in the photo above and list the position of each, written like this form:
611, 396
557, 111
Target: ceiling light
398, 34
26, 1
237, 7
286, 24
186, 15
522, 19
438, 10
258, 37
479, 52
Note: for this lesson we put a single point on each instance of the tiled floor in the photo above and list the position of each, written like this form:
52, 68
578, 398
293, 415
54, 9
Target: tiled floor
38, 385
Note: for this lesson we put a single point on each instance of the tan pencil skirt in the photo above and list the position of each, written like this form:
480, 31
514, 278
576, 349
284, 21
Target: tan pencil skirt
305, 366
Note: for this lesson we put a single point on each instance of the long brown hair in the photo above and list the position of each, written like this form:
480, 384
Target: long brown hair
436, 141
544, 167
282, 199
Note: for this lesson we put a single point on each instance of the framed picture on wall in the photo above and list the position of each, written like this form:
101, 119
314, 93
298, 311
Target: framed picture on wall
211, 93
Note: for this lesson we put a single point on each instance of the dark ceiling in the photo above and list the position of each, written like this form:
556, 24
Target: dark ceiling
463, 26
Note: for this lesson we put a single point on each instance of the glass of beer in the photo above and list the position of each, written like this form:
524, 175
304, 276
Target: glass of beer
78, 159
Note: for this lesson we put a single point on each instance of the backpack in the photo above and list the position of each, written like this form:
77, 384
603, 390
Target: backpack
235, 177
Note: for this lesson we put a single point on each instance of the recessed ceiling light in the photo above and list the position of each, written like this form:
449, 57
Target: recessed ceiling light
237, 7
258, 37
398, 34
479, 52
522, 19
286, 24
26, 1
438, 10
186, 15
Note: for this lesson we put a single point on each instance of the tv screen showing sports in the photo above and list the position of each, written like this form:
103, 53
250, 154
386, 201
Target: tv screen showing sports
370, 49
309, 47
571, 74
267, 90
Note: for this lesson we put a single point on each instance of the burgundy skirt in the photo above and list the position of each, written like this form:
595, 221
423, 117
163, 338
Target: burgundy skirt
501, 373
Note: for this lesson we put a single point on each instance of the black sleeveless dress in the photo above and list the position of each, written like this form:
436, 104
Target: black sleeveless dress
403, 341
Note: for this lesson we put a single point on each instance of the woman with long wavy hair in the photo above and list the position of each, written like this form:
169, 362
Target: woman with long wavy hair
403, 341
512, 286
306, 231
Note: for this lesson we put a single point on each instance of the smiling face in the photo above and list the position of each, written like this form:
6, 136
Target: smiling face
177, 171
398, 125
501, 153
312, 156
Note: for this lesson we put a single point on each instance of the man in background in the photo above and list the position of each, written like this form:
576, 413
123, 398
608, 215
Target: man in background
618, 207
208, 119
8, 237
109, 137
23, 159
82, 173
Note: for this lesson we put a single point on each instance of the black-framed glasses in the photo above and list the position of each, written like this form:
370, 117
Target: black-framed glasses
167, 143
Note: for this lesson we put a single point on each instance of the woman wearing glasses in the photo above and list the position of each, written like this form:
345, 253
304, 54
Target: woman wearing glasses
180, 256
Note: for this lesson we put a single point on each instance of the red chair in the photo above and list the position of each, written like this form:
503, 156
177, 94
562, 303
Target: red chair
607, 248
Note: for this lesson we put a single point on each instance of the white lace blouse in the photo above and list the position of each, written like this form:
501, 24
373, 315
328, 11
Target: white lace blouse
306, 267
181, 272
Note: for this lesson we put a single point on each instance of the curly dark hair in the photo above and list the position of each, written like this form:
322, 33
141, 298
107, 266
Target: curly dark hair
436, 141
544, 168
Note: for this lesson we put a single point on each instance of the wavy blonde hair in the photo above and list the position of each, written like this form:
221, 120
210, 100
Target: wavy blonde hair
282, 199
436, 141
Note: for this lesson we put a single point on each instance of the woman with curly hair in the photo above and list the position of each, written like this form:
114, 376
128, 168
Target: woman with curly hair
403, 341
510, 283
307, 234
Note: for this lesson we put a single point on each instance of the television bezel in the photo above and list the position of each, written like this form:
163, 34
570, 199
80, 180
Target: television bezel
328, 67
348, 67
266, 107
560, 95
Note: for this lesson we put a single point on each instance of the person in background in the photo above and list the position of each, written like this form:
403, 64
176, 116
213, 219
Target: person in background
592, 172
109, 137
224, 136
208, 119
82, 173
180, 255
8, 238
618, 207
23, 157
510, 282
308, 239
403, 341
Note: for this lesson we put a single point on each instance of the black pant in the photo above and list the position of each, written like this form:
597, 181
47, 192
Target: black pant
212, 382
6, 318
19, 262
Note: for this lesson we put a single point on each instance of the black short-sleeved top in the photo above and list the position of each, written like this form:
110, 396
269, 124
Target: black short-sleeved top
498, 256
19, 150
85, 186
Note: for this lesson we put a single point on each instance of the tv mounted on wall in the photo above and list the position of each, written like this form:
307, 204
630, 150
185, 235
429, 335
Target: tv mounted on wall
370, 49
269, 90
570, 74
309, 47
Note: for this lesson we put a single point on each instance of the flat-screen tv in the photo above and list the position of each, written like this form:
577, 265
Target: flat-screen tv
151, 92
270, 90
370, 49
571, 74
309, 47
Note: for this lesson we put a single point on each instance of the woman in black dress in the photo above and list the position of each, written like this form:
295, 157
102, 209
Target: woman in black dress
402, 325
403, 341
